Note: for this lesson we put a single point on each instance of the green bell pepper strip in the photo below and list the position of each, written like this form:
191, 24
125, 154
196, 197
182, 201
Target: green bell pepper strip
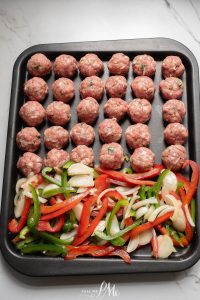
56, 191
193, 209
103, 236
174, 234
32, 248
49, 178
34, 214
118, 242
127, 171
68, 164
117, 206
28, 240
23, 232
64, 181
155, 189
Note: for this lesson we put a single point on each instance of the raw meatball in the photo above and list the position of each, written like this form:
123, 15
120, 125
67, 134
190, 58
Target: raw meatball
139, 110
111, 156
65, 66
142, 160
63, 89
58, 113
88, 110
171, 88
55, 137
90, 65
174, 111
109, 131
175, 133
172, 66
39, 65
56, 158
29, 163
83, 154
36, 89
92, 87
28, 139
143, 87
144, 65
32, 113
138, 135
173, 157
116, 86
82, 134
119, 64
116, 108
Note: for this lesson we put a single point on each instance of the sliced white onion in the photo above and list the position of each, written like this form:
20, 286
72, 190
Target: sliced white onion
30, 179
189, 218
170, 183
151, 200
81, 190
171, 200
145, 237
100, 227
50, 187
80, 169
127, 210
165, 246
68, 235
19, 184
127, 191
149, 212
81, 181
114, 226
103, 193
19, 205
57, 177
156, 212
180, 222
116, 182
141, 212
166, 210
133, 244
29, 195
93, 191
78, 210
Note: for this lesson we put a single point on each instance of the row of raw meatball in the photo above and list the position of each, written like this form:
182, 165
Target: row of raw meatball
111, 157
90, 64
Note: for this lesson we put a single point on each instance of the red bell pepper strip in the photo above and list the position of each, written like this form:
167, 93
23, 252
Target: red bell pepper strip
52, 201
137, 176
101, 183
175, 195
185, 181
194, 181
114, 195
46, 226
68, 205
122, 253
143, 227
93, 225
14, 226
154, 244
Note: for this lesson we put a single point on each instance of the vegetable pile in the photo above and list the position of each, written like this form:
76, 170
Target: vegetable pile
77, 210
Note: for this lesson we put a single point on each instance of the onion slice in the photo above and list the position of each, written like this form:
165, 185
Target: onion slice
151, 200
133, 244
188, 216
141, 212
156, 212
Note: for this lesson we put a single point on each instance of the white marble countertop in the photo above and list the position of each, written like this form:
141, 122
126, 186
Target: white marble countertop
25, 23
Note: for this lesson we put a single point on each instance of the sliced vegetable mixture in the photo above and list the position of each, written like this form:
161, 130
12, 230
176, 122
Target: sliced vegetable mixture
77, 210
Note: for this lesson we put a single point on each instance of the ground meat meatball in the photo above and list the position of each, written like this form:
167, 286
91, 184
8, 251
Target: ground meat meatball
116, 86
175, 133
139, 110
173, 157
111, 156
172, 66
174, 111
63, 89
116, 108
90, 65
138, 135
36, 89
142, 160
29, 163
39, 65
65, 66
83, 154
143, 87
55, 137
171, 88
58, 113
82, 134
28, 139
56, 158
88, 110
144, 65
119, 64
32, 113
109, 131
92, 87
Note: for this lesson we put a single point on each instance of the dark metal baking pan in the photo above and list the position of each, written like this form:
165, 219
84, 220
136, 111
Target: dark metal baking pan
142, 261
